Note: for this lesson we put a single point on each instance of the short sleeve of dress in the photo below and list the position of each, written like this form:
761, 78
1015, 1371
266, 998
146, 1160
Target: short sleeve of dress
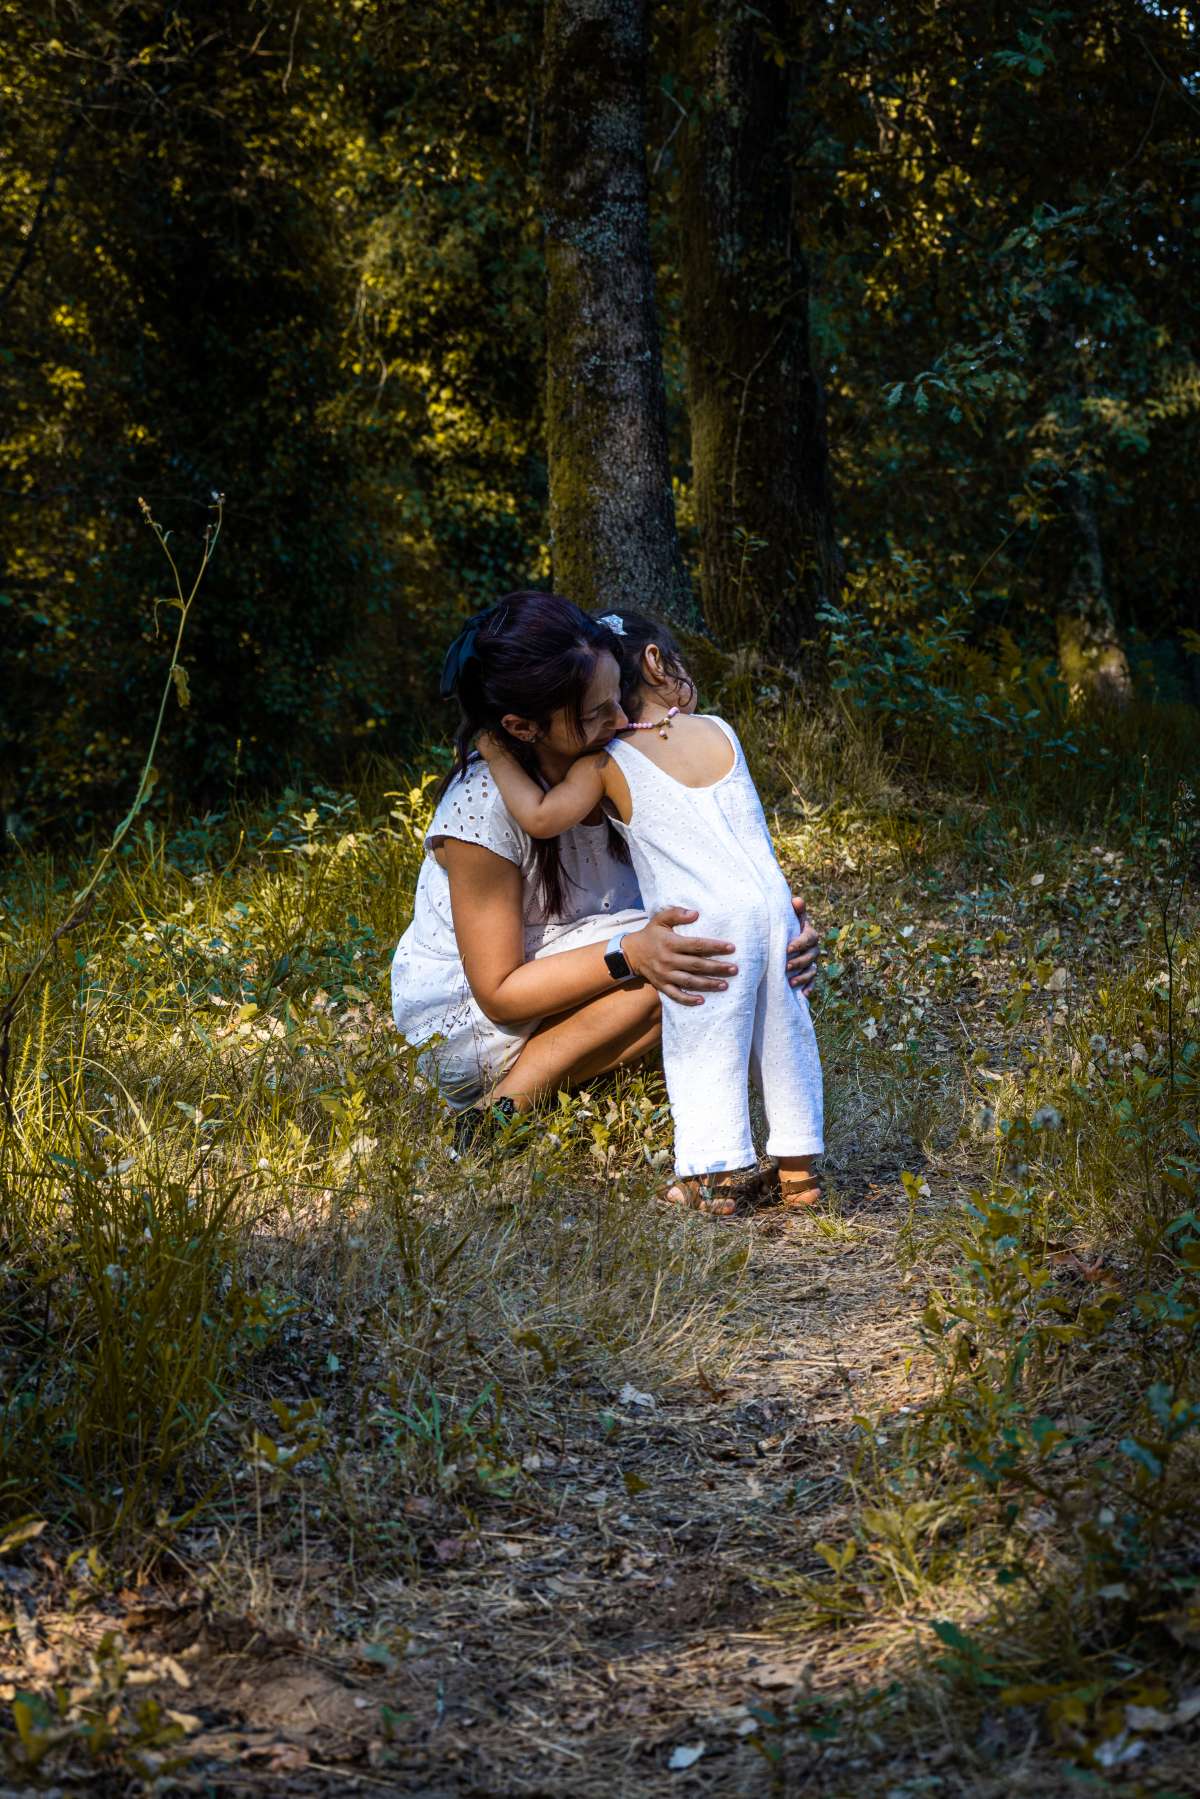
472, 811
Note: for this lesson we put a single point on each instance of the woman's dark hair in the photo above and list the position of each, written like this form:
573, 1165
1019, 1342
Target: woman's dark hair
532, 654
636, 635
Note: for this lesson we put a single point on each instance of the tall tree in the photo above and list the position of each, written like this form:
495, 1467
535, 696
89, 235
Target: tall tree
612, 516
760, 461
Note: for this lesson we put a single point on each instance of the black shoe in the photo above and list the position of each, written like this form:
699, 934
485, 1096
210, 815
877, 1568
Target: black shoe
479, 1124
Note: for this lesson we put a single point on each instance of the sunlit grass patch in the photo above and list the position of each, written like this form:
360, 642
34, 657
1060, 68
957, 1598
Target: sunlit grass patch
256, 1318
223, 1170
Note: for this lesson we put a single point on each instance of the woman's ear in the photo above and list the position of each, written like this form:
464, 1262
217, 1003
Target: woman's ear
523, 729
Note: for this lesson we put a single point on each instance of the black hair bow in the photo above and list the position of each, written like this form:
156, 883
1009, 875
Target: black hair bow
461, 651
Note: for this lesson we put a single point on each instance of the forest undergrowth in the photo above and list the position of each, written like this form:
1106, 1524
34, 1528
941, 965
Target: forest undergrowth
327, 1458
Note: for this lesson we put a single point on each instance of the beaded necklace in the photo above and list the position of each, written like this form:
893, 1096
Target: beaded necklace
661, 725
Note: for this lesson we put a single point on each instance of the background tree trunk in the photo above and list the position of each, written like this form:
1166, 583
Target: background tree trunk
1090, 653
759, 452
612, 513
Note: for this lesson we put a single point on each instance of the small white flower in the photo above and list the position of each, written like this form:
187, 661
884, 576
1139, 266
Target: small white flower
1046, 1118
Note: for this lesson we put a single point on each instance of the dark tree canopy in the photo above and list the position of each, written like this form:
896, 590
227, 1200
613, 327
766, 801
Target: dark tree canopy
300, 256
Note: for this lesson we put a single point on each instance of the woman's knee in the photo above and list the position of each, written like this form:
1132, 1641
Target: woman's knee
647, 1004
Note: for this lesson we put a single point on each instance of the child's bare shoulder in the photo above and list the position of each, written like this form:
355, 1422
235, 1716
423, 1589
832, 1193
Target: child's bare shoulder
593, 759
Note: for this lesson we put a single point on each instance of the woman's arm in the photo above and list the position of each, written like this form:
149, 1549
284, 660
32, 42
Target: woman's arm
544, 814
486, 902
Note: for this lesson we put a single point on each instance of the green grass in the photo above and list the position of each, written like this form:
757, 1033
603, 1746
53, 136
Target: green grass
246, 1287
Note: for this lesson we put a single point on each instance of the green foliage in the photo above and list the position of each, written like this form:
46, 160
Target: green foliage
1044, 1480
1006, 304
985, 713
297, 258
277, 272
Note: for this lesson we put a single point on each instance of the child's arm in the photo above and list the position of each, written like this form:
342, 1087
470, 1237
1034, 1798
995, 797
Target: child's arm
545, 814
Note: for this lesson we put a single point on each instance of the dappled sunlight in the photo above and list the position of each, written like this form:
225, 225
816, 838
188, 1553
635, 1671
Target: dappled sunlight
281, 1318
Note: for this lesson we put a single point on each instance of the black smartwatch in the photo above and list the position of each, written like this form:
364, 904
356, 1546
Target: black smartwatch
614, 961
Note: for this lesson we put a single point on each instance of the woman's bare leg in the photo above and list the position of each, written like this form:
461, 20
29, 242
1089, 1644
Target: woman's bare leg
610, 1032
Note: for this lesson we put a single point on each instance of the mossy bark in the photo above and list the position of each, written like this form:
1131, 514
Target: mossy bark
1090, 654
760, 457
612, 512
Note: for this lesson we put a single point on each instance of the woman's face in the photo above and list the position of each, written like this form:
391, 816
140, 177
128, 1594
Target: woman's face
600, 715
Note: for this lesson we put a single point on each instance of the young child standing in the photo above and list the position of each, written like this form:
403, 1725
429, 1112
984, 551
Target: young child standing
678, 789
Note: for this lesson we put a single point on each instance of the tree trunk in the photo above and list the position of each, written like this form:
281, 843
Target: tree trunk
1090, 654
612, 511
760, 457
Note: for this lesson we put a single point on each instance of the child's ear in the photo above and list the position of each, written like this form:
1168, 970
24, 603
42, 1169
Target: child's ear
653, 668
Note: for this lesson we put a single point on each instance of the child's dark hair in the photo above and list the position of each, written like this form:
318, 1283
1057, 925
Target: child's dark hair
636, 635
531, 654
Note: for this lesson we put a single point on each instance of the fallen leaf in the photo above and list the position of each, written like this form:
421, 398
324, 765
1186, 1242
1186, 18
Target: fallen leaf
707, 1387
1071, 1262
629, 1395
23, 1531
777, 1675
1149, 1717
685, 1756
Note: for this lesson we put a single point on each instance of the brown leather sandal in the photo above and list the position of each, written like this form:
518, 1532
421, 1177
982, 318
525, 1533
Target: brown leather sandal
720, 1197
798, 1191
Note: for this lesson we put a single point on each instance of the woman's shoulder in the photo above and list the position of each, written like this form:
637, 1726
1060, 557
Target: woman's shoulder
472, 811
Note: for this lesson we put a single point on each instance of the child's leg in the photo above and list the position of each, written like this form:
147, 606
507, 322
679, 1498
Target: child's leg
706, 1057
789, 1069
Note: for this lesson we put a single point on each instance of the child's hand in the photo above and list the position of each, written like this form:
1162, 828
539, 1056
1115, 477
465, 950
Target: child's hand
489, 746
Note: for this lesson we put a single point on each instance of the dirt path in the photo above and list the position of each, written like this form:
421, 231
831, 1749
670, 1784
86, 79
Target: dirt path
627, 1618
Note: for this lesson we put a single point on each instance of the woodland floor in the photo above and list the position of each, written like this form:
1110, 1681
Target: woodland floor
622, 1625
585, 1640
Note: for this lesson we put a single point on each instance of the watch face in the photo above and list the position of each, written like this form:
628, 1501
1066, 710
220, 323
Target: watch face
617, 966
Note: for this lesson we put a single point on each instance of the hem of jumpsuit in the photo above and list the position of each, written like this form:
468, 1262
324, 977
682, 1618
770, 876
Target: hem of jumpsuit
723, 1165
807, 1146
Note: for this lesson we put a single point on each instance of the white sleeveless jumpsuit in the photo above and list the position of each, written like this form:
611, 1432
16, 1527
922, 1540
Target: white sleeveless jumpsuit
709, 848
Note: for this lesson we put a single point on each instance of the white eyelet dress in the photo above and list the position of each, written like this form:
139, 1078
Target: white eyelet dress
709, 848
431, 1002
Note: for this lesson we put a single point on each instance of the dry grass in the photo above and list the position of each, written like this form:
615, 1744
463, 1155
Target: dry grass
369, 1466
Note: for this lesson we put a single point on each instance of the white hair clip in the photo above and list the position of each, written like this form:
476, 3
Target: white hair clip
615, 623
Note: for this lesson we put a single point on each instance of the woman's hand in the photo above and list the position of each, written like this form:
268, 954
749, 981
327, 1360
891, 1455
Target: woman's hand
803, 950
681, 968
